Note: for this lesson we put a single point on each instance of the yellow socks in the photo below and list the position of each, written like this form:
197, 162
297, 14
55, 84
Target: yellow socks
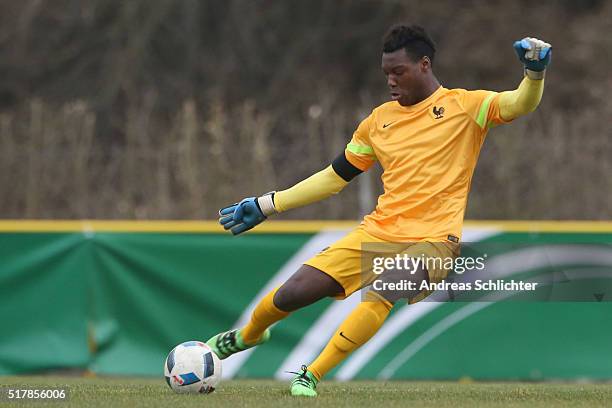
264, 315
363, 322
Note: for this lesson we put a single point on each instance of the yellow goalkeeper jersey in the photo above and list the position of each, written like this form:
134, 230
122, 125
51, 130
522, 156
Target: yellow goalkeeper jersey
428, 152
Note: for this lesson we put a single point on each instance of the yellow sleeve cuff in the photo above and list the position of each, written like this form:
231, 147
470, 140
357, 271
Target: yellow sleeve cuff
521, 101
317, 187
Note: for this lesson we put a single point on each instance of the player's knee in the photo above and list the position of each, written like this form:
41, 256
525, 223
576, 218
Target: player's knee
378, 300
293, 295
305, 287
284, 298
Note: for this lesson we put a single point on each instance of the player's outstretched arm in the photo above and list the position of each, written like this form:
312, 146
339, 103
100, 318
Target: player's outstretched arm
535, 55
248, 213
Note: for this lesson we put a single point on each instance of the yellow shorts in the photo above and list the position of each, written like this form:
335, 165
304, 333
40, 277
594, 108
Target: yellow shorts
348, 260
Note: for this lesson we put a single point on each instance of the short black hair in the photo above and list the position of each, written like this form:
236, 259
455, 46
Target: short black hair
412, 38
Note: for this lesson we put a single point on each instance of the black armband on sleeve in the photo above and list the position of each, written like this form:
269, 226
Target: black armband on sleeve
344, 168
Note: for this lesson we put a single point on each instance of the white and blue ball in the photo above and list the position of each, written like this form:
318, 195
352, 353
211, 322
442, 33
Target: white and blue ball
192, 367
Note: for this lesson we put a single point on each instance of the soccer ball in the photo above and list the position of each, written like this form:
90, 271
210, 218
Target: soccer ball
192, 367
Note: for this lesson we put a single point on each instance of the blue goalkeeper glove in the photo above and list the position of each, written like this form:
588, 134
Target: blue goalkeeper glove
246, 214
535, 54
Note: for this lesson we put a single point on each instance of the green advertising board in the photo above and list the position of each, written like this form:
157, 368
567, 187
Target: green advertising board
115, 297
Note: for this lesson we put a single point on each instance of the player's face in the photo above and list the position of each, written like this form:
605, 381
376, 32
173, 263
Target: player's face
405, 77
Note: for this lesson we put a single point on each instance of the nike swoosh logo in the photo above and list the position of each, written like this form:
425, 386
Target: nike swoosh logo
342, 335
388, 124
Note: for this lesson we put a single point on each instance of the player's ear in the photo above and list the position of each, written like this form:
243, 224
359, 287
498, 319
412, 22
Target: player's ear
425, 63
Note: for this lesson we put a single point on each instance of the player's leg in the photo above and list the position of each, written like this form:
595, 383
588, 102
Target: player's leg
306, 286
365, 320
359, 326
303, 288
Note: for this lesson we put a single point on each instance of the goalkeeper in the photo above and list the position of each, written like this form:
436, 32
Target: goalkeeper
427, 140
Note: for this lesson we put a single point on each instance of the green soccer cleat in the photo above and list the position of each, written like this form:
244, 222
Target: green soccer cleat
228, 343
304, 384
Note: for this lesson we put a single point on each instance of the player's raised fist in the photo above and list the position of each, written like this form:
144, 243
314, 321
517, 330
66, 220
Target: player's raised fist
534, 53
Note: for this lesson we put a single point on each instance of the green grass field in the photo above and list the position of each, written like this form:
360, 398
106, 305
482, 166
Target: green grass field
132, 393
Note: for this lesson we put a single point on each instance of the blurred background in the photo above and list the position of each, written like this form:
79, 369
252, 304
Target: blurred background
168, 110
171, 109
